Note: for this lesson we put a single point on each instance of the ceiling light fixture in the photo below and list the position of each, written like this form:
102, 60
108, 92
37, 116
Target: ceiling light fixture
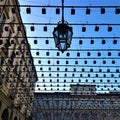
62, 33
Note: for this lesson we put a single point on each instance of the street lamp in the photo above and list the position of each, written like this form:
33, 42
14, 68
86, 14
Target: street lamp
62, 33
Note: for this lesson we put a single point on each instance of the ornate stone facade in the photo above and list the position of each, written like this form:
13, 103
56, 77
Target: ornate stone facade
17, 71
64, 106
82, 89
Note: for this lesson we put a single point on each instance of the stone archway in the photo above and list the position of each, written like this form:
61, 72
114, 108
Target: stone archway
85, 116
5, 114
15, 118
0, 104
104, 115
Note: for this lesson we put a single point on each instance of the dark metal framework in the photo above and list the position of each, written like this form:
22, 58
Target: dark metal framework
62, 33
81, 41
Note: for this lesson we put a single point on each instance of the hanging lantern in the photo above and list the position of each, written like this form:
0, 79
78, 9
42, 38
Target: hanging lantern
28, 10
62, 34
57, 10
72, 11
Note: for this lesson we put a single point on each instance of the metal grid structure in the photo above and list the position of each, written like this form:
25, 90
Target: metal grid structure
94, 55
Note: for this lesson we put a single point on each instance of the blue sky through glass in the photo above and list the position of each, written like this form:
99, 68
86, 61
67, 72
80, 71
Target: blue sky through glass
89, 60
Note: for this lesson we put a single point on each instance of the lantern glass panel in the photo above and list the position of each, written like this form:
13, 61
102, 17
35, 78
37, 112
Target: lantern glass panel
62, 35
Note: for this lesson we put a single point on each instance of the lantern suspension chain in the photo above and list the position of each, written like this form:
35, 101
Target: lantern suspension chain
62, 11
